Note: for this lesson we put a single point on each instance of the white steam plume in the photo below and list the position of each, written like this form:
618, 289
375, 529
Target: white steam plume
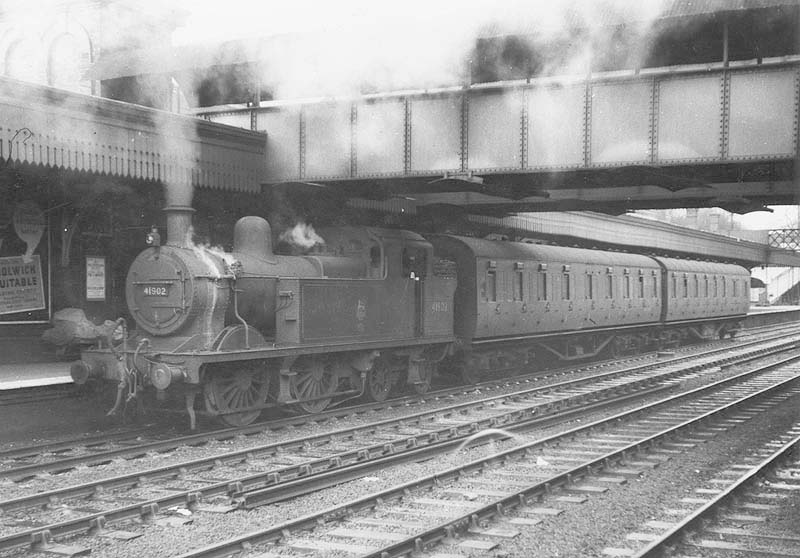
302, 236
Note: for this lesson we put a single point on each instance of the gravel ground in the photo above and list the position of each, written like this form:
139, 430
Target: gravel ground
546, 540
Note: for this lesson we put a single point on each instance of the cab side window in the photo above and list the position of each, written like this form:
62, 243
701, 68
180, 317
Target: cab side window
414, 263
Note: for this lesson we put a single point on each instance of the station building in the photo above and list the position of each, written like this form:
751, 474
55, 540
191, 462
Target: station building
84, 177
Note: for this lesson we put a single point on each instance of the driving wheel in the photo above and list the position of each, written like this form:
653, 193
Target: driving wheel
314, 380
236, 388
379, 381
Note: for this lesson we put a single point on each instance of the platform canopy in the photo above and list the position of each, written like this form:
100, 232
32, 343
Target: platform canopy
42, 126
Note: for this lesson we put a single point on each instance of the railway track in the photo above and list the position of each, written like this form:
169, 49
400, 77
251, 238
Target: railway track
509, 412
475, 506
94, 453
41, 394
131, 442
733, 518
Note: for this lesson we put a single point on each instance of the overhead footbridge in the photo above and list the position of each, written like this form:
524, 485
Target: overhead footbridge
723, 134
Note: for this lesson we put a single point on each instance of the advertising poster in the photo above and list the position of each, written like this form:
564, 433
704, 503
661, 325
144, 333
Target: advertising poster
21, 286
95, 278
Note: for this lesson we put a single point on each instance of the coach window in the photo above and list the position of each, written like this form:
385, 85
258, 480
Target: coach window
589, 286
735, 288
491, 285
641, 285
626, 286
685, 286
705, 286
724, 287
609, 286
714, 288
519, 285
565, 287
541, 285
655, 285
674, 285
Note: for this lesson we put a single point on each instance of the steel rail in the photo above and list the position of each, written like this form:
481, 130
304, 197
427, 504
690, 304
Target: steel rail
500, 506
169, 472
238, 490
694, 522
364, 453
25, 472
23, 452
293, 489
420, 541
254, 429
232, 488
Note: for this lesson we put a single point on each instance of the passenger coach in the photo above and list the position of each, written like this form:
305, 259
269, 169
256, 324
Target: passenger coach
518, 303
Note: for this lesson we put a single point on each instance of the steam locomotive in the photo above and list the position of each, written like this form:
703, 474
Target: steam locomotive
372, 308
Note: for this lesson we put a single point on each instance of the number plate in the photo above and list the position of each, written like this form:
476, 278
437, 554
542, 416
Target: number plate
155, 290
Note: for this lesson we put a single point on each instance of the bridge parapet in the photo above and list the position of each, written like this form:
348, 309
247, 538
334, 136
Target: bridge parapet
667, 117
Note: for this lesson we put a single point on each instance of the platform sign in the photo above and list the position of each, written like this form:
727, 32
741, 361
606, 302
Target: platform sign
21, 287
95, 278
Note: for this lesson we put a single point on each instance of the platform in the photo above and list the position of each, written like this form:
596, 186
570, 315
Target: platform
18, 376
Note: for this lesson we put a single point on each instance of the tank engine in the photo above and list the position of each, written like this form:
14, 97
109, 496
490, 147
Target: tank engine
248, 329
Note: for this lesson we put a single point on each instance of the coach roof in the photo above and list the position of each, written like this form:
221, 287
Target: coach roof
480, 248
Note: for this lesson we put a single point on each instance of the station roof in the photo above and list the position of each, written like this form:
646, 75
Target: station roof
639, 235
49, 127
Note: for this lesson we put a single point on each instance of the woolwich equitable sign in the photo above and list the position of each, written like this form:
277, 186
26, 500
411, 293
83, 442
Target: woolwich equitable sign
21, 286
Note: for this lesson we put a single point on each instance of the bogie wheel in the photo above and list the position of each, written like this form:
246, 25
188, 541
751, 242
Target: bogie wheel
469, 370
617, 348
313, 381
379, 381
426, 370
236, 387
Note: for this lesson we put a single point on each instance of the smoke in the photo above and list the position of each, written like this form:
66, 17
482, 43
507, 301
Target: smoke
419, 45
301, 236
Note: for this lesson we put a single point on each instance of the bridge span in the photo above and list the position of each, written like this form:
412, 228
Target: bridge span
720, 134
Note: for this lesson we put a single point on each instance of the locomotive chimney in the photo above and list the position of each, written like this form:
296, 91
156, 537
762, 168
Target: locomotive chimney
179, 221
252, 235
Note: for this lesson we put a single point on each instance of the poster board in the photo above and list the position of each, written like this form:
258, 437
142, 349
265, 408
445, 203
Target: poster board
95, 278
21, 286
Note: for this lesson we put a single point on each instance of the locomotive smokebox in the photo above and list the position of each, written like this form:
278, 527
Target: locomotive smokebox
252, 236
179, 222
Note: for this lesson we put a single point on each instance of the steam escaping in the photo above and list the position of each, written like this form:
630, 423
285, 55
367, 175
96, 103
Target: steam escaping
302, 236
205, 251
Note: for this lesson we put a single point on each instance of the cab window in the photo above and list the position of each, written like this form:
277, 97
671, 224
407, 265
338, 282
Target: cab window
414, 263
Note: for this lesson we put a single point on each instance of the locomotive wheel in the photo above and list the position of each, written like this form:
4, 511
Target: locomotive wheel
231, 389
314, 378
379, 381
